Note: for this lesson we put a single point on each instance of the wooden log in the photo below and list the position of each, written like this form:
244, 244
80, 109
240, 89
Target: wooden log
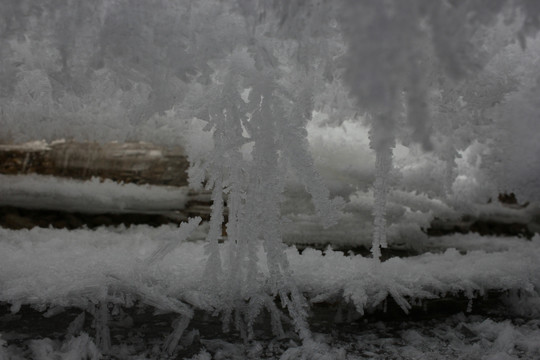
139, 163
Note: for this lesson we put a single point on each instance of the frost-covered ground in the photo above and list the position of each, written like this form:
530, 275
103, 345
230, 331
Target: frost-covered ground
118, 292
456, 337
46, 266
421, 110
57, 271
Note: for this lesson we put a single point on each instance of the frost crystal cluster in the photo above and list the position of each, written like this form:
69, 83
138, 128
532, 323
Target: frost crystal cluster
445, 92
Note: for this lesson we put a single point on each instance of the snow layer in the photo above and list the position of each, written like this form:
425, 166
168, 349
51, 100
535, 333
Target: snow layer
93, 196
57, 267
51, 269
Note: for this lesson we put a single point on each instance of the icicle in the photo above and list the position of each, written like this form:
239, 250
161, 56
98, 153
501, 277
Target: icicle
101, 324
276, 128
338, 317
254, 308
180, 325
76, 326
469, 305
53, 311
296, 306
382, 141
267, 186
15, 307
4, 355
295, 147
275, 318
182, 234
213, 265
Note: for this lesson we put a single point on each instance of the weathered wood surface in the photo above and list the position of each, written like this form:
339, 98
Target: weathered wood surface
139, 163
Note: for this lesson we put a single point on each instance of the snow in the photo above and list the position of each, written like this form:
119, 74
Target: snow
471, 241
80, 347
57, 267
38, 145
50, 268
409, 215
408, 212
92, 196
